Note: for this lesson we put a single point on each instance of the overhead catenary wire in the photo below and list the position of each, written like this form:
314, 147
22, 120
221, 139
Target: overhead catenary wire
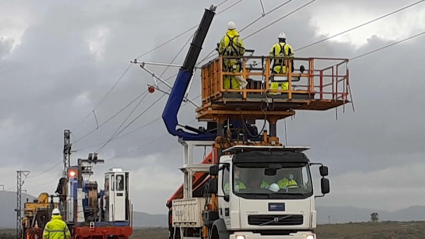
104, 97
209, 56
361, 25
265, 14
224, 10
178, 53
47, 170
172, 61
389, 45
115, 133
146, 144
140, 115
133, 131
119, 79
110, 118
188, 30
11, 188
281, 5
138, 148
44, 183
125, 120
362, 55
279, 19
255, 21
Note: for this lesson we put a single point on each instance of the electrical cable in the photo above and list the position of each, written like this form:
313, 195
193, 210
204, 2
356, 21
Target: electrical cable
46, 170
361, 25
245, 38
138, 116
279, 19
137, 129
119, 79
144, 93
41, 184
265, 14
116, 83
178, 53
11, 188
113, 116
163, 136
151, 142
188, 30
250, 24
125, 120
389, 45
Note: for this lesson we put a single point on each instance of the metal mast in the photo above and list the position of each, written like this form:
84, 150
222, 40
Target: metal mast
66, 151
19, 184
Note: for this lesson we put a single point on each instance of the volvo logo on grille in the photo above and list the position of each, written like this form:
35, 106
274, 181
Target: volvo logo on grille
276, 219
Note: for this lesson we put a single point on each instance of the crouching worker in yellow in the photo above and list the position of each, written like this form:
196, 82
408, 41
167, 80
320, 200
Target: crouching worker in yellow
232, 45
56, 228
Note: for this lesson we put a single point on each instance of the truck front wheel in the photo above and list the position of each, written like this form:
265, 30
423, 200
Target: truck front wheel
214, 233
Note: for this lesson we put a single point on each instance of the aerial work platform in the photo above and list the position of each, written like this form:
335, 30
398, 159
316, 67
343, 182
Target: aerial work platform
315, 84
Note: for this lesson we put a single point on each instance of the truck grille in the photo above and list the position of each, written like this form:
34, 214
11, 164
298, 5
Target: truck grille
273, 220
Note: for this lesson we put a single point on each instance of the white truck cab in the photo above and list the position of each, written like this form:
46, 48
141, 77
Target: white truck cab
250, 205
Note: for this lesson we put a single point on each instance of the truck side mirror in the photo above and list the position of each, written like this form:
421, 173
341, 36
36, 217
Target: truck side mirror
213, 186
226, 198
302, 69
326, 188
324, 171
214, 170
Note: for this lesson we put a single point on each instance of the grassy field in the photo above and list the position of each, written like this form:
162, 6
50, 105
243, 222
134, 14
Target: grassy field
381, 230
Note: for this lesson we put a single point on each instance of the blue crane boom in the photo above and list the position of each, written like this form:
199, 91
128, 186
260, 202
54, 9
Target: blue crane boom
182, 82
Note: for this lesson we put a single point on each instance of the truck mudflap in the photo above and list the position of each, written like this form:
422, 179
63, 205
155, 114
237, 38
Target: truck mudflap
250, 235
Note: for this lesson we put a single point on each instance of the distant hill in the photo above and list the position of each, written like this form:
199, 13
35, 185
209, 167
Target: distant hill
142, 219
7, 208
352, 214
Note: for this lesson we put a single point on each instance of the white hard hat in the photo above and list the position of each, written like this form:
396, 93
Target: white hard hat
231, 25
274, 187
56, 211
282, 35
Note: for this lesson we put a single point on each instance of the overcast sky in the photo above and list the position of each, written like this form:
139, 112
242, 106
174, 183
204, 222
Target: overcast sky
58, 60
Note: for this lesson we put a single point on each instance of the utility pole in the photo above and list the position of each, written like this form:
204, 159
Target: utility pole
329, 219
19, 184
63, 183
66, 151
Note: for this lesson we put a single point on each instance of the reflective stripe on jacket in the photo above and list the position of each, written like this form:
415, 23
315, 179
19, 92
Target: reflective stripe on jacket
287, 183
238, 185
56, 229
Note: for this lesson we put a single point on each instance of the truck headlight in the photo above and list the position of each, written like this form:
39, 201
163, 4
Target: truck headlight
310, 237
240, 237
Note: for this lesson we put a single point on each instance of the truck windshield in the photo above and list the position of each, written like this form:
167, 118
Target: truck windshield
277, 180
